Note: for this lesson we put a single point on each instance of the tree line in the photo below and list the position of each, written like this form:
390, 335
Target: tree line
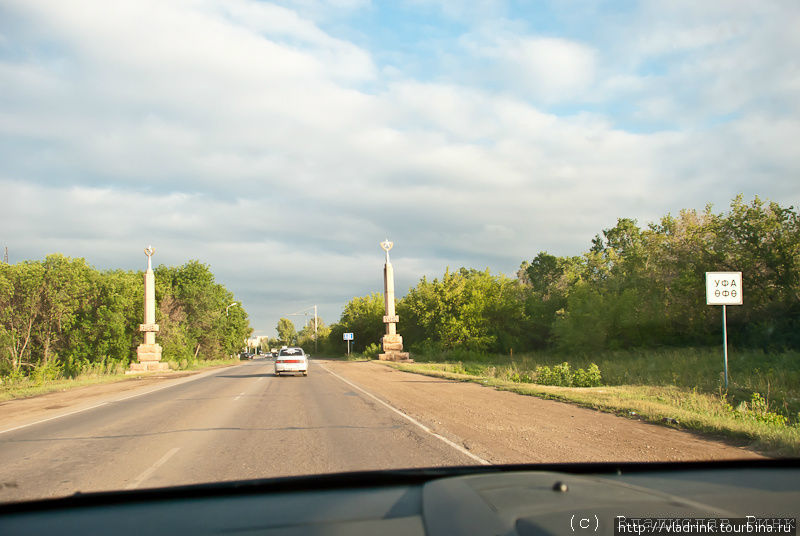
63, 316
634, 287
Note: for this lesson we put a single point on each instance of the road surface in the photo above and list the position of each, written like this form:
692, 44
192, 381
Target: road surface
237, 423
243, 422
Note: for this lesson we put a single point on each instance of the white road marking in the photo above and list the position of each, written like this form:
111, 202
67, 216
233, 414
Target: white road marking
412, 420
145, 393
51, 418
144, 476
181, 381
240, 395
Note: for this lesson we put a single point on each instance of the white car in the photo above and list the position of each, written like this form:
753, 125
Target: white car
291, 360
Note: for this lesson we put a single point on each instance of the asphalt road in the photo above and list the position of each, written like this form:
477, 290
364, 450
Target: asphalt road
237, 423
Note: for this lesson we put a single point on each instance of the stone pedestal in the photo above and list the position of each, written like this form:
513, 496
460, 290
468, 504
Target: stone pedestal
392, 345
149, 356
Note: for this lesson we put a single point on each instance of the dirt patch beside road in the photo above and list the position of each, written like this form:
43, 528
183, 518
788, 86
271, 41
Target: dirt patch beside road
504, 427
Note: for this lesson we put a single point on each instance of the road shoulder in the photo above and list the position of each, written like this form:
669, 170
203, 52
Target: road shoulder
505, 427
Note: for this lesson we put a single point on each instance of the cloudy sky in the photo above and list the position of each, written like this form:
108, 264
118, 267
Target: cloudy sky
281, 142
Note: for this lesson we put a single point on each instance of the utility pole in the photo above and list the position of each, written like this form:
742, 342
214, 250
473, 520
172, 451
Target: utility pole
301, 313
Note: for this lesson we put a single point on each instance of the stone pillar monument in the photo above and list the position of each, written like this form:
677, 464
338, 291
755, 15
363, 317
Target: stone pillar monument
392, 342
149, 353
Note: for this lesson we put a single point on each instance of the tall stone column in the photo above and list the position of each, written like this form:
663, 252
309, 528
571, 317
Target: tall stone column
392, 342
388, 295
149, 354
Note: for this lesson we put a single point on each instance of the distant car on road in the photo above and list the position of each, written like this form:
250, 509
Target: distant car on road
293, 360
245, 355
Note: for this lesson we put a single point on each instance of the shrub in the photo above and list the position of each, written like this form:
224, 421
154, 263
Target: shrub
588, 378
521, 377
756, 409
371, 351
45, 373
564, 376
759, 409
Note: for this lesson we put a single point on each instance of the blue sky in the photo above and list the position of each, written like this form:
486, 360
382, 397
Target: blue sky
281, 142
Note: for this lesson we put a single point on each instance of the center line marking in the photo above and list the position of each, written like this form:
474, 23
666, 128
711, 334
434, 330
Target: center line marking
141, 478
240, 395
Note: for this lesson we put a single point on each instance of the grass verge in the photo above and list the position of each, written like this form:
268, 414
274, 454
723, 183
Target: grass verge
345, 357
674, 406
27, 387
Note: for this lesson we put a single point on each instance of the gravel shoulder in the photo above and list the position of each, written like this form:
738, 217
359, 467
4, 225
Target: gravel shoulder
504, 427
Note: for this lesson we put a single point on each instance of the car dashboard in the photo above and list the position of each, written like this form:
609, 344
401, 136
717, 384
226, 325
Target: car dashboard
495, 500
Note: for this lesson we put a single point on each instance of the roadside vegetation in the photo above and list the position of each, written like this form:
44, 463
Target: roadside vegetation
63, 320
627, 320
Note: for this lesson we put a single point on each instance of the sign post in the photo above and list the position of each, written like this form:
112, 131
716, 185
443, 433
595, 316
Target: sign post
348, 337
724, 288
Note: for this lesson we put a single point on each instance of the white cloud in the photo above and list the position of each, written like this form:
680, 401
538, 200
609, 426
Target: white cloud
546, 69
688, 63
238, 133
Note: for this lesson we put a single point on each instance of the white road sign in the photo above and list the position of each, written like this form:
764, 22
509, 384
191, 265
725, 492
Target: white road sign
723, 288
348, 336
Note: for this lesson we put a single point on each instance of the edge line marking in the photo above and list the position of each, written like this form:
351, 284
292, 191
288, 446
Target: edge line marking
152, 469
178, 381
411, 419
52, 418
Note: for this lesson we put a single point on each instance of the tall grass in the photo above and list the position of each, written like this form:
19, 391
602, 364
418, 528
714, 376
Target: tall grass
775, 376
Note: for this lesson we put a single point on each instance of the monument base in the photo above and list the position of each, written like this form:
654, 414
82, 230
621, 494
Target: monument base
148, 352
149, 357
147, 366
392, 345
395, 356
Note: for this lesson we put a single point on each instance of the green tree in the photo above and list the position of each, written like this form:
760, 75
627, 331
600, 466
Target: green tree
310, 338
60, 316
21, 289
192, 307
645, 287
467, 309
363, 317
287, 333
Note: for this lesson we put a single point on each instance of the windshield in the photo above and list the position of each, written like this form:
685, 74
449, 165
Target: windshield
519, 233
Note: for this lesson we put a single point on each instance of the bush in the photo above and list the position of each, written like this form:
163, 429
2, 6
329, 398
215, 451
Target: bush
371, 351
588, 378
45, 373
756, 409
759, 410
521, 377
557, 375
562, 375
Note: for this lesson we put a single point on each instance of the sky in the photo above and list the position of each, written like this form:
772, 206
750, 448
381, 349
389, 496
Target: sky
281, 142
